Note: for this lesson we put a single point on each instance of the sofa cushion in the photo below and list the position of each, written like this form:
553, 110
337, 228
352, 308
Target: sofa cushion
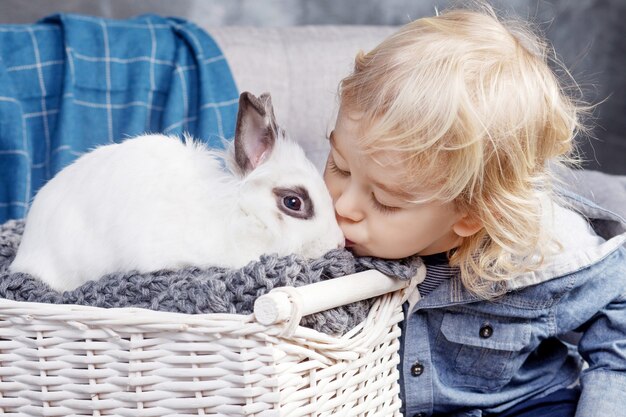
301, 67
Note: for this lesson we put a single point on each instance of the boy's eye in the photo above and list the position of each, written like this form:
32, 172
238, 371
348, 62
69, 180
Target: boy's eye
382, 207
334, 168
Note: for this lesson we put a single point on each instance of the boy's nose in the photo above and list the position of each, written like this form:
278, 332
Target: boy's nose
347, 206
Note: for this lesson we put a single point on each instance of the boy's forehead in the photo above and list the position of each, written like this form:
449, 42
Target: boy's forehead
384, 169
352, 114
389, 172
352, 120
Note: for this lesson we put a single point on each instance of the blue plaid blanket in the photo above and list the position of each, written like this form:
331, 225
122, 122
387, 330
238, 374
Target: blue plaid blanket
70, 83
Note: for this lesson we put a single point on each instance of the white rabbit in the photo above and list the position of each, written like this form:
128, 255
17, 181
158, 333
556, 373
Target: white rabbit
155, 202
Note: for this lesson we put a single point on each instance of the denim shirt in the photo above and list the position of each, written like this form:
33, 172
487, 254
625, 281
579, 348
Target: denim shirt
464, 356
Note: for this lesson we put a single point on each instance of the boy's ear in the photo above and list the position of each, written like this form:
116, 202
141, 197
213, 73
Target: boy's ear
467, 226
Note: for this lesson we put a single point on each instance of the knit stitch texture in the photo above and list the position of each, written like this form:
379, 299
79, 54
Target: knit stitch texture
210, 290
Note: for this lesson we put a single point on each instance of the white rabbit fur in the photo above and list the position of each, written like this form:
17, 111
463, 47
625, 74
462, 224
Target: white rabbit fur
156, 202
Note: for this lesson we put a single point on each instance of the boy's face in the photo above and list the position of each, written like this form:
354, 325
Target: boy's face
374, 220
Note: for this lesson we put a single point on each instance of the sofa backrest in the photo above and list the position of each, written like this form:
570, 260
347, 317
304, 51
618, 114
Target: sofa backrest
301, 67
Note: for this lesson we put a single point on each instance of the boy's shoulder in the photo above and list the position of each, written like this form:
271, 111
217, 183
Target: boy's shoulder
600, 280
583, 234
591, 210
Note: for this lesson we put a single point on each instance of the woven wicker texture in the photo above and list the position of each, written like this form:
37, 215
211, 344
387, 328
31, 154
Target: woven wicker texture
86, 361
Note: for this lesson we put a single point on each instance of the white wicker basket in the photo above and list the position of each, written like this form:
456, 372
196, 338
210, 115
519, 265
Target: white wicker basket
67, 360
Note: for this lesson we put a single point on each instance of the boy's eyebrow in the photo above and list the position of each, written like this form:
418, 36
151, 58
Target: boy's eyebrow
396, 192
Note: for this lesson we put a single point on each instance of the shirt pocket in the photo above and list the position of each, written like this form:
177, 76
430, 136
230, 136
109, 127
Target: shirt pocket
485, 350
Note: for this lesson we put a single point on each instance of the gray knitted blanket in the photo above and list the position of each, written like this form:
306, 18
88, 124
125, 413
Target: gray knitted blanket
210, 290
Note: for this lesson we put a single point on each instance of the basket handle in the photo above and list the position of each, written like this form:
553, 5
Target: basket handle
285, 303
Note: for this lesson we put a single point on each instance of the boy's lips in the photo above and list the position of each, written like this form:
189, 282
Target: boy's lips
349, 243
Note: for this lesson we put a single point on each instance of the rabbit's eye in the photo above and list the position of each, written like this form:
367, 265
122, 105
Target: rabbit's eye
293, 202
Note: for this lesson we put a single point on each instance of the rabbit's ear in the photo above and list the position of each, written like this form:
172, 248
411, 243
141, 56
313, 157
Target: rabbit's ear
255, 132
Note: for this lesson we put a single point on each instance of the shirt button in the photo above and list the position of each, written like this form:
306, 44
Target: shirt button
419, 415
417, 369
486, 331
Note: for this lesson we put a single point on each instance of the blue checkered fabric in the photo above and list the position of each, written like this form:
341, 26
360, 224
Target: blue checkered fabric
70, 83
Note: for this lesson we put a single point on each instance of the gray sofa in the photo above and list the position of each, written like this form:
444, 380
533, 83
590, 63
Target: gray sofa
302, 66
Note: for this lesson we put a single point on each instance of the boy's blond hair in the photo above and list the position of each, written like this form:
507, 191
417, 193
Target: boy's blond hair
471, 105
